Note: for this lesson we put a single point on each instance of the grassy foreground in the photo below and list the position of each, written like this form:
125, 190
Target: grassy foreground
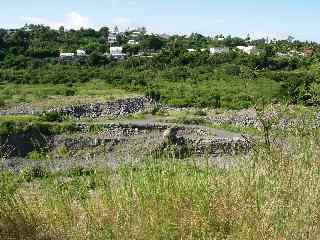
274, 196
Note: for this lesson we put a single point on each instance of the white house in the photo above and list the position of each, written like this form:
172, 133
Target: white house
248, 49
81, 52
116, 52
295, 53
66, 55
133, 42
112, 38
191, 50
281, 54
219, 50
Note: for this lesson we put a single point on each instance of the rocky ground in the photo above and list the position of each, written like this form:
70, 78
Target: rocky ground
112, 109
120, 143
117, 139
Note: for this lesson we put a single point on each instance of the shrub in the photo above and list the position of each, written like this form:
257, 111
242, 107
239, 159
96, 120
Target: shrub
155, 110
154, 95
81, 171
30, 173
70, 92
232, 69
7, 127
191, 120
51, 117
95, 128
200, 112
2, 102
36, 155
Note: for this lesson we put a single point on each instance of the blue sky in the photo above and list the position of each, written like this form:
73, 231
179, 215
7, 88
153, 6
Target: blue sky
273, 18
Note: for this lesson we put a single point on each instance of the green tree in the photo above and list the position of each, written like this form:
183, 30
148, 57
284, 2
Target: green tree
94, 59
153, 42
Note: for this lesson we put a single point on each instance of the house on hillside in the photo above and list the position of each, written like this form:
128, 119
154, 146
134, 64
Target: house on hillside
135, 34
113, 36
219, 50
66, 55
133, 42
248, 49
293, 53
117, 52
81, 53
282, 54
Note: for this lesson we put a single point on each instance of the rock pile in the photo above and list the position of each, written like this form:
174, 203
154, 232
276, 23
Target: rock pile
181, 138
119, 108
22, 109
246, 118
219, 146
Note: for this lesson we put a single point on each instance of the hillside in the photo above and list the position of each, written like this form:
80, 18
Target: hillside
181, 77
176, 139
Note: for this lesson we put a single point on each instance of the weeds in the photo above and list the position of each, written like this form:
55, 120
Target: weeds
275, 195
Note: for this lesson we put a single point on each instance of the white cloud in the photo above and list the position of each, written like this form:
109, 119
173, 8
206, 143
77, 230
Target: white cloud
76, 21
72, 20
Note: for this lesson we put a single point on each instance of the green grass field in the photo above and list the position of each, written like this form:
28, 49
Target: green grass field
55, 95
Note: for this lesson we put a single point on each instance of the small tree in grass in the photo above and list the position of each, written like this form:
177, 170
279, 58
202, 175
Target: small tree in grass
155, 96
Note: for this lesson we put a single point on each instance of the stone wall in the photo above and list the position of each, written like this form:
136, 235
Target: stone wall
22, 109
196, 140
118, 108
244, 118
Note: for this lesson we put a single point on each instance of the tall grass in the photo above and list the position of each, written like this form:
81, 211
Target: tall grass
46, 96
275, 195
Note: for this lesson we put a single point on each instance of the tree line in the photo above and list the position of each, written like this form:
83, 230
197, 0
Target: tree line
234, 80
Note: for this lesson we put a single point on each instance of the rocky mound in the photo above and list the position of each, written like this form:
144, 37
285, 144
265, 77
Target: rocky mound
118, 108
158, 136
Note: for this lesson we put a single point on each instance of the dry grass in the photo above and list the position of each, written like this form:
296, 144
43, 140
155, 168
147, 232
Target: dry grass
275, 196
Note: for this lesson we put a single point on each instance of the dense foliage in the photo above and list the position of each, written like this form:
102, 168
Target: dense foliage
30, 55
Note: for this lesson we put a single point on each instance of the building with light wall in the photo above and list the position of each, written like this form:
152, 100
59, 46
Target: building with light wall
248, 49
219, 50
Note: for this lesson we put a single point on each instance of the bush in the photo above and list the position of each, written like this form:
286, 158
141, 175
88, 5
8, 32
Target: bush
200, 112
52, 117
70, 92
95, 128
36, 155
155, 110
2, 102
7, 127
191, 120
30, 173
232, 69
81, 171
154, 95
